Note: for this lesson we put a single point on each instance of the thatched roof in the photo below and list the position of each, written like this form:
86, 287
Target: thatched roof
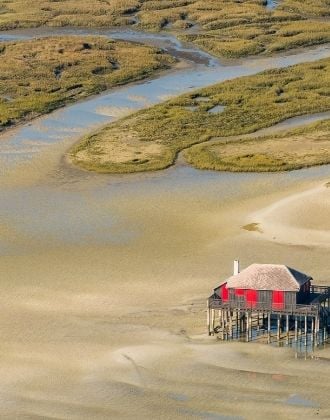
268, 277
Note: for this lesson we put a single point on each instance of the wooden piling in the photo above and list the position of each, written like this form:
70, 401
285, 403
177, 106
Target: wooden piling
208, 316
317, 329
278, 327
230, 324
247, 326
296, 328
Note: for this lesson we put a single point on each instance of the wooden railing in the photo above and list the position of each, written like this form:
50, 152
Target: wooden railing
217, 303
320, 290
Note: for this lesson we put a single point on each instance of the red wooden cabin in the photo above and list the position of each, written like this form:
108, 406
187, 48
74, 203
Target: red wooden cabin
268, 286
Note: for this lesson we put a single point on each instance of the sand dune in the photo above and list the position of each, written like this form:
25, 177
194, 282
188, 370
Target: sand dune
299, 219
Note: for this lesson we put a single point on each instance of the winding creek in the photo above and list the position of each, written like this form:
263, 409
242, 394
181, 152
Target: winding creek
34, 150
99, 272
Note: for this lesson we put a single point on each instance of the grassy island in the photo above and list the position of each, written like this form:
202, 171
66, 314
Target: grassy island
151, 139
40, 75
227, 28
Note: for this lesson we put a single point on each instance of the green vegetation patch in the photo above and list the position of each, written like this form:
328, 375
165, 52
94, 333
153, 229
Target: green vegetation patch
250, 103
229, 28
40, 75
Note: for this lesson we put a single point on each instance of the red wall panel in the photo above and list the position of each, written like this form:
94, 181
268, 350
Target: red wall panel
251, 297
278, 299
224, 292
239, 292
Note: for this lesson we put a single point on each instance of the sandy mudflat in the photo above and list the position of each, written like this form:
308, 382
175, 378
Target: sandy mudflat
299, 219
97, 329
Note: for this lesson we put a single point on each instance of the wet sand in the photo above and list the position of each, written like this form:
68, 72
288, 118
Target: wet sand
112, 323
104, 281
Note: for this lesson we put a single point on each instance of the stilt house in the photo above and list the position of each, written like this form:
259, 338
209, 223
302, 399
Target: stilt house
265, 286
262, 293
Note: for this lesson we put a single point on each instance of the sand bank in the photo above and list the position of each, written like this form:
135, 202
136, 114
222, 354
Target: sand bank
299, 219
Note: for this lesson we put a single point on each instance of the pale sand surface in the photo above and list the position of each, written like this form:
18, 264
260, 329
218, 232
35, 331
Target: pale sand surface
118, 330
300, 219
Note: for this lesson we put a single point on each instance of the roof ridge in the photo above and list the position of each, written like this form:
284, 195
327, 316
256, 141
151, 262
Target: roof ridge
291, 275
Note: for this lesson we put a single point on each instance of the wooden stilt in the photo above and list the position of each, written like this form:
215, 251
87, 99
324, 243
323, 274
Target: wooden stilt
251, 325
230, 325
258, 322
317, 329
287, 330
313, 330
269, 328
278, 327
296, 328
208, 317
247, 327
305, 330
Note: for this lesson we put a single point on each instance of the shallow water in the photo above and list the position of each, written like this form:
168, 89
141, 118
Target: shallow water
294, 122
216, 109
67, 206
68, 124
272, 4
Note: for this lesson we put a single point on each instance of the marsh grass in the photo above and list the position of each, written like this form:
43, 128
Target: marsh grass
251, 103
51, 72
227, 28
295, 149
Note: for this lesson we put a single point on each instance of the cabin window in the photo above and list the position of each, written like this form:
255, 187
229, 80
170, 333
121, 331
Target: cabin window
251, 297
278, 299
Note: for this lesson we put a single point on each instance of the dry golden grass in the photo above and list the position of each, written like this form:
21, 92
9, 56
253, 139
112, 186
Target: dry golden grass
27, 13
51, 72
